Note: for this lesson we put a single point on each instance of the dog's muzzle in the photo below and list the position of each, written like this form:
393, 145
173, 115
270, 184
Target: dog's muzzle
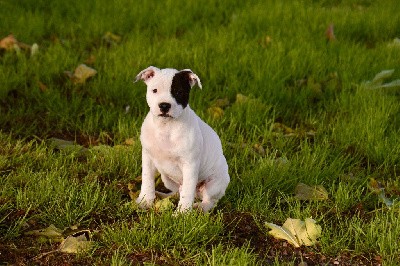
164, 108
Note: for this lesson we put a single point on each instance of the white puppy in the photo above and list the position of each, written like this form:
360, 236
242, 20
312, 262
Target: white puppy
178, 144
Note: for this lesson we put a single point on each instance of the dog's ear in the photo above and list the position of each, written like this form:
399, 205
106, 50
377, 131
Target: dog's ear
193, 78
147, 74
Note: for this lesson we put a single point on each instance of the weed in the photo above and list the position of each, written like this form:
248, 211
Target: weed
295, 111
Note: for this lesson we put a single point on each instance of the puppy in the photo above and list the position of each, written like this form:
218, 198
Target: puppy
178, 144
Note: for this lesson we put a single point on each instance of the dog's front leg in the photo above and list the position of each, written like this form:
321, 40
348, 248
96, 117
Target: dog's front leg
190, 173
147, 192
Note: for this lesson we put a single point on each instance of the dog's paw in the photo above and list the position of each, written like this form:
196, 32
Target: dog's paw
203, 206
182, 208
144, 203
179, 211
198, 206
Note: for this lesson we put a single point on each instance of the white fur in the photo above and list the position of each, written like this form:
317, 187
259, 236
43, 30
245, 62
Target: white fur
182, 148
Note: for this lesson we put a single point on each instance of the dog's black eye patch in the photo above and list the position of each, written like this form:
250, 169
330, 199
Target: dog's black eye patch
180, 88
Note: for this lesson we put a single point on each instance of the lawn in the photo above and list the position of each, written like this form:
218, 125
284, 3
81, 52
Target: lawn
288, 86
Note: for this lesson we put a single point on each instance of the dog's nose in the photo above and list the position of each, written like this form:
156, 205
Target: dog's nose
164, 107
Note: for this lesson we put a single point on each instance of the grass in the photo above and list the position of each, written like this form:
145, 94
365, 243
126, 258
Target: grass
305, 118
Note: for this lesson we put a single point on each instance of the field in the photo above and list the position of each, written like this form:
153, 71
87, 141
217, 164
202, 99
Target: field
288, 86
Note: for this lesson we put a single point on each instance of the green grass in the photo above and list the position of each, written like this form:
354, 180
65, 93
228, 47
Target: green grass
338, 133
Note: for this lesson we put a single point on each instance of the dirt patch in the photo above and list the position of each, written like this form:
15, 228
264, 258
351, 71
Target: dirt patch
27, 252
156, 258
242, 230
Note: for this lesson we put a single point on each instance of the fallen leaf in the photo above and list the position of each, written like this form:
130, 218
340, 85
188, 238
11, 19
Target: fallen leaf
281, 161
280, 232
133, 195
158, 181
224, 102
259, 149
42, 86
305, 192
240, 98
90, 60
297, 232
66, 145
11, 43
81, 74
215, 112
133, 188
102, 149
75, 243
311, 233
296, 227
111, 38
50, 232
381, 76
164, 204
393, 84
377, 188
281, 128
34, 49
8, 42
395, 43
74, 227
267, 40
130, 142
388, 202
379, 79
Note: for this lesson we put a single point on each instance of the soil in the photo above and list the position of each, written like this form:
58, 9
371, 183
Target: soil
244, 230
241, 229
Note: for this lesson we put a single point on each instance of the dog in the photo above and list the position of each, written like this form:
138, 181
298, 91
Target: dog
185, 150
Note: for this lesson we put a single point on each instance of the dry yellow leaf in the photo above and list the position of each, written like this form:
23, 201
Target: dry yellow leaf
130, 142
50, 232
75, 244
297, 232
305, 192
42, 86
111, 38
280, 232
281, 128
82, 73
259, 149
215, 112
310, 233
240, 98
164, 205
8, 42
221, 102
90, 60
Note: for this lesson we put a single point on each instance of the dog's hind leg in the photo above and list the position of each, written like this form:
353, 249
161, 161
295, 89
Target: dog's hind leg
170, 184
211, 192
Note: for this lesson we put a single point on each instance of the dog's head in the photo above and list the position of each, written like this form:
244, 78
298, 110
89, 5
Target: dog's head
168, 90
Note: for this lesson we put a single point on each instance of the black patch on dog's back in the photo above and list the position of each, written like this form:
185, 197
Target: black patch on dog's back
180, 88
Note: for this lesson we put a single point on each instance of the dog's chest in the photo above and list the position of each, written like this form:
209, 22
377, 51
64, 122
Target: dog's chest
165, 149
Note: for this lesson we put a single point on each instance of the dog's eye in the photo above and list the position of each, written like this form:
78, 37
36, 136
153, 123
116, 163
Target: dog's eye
155, 91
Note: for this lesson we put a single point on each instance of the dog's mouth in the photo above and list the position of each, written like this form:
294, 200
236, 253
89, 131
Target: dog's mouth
165, 115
